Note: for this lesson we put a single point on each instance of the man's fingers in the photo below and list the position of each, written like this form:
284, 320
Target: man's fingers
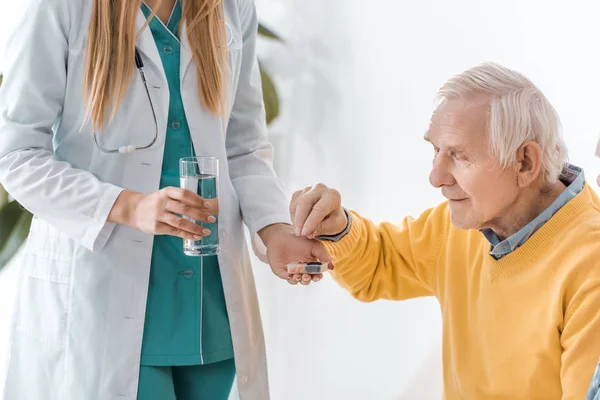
304, 206
294, 200
323, 208
293, 203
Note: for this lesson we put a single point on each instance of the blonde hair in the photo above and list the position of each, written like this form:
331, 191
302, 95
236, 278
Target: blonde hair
110, 55
518, 112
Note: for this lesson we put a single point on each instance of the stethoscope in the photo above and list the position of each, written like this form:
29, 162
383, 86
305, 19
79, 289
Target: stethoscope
131, 148
140, 65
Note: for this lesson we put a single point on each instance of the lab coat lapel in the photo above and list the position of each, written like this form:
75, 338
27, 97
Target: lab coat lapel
186, 52
201, 121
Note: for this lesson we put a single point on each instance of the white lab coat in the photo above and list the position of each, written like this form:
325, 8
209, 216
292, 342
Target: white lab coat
79, 316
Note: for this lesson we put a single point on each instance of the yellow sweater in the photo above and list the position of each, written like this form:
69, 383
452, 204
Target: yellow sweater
526, 326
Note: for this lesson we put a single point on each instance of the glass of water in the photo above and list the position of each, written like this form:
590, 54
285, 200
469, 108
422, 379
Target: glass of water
200, 175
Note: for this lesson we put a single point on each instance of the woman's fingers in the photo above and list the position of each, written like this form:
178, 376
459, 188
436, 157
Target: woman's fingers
188, 197
184, 209
178, 226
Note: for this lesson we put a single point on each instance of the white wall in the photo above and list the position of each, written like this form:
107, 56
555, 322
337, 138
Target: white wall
357, 80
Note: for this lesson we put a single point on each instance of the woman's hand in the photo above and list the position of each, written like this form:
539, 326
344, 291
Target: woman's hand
160, 213
284, 247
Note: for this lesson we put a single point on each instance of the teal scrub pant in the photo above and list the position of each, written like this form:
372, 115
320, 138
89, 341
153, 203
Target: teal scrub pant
193, 382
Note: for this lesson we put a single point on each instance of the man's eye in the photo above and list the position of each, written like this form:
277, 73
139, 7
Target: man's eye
460, 157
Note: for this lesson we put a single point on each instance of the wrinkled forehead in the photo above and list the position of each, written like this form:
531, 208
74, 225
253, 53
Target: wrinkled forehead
459, 122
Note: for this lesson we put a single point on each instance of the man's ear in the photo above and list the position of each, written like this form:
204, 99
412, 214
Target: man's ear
529, 163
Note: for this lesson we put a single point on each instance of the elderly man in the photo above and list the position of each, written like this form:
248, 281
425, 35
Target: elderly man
513, 255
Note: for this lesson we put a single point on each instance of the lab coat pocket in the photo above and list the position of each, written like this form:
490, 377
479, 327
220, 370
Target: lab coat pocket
45, 290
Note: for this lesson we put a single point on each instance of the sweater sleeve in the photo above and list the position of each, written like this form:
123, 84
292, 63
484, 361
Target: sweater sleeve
580, 340
390, 261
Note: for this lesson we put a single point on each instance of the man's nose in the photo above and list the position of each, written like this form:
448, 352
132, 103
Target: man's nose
440, 174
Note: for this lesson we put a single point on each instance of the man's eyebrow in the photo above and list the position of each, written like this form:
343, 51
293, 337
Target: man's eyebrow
457, 149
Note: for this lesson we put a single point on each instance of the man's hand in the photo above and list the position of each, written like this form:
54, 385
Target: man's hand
317, 210
284, 247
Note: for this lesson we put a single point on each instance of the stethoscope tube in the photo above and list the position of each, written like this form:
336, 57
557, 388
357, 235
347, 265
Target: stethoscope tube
130, 148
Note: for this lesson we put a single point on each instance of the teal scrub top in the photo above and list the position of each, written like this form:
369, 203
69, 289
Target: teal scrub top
186, 318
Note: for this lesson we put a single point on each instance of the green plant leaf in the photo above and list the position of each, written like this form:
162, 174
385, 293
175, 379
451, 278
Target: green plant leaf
266, 32
20, 222
270, 96
3, 197
9, 216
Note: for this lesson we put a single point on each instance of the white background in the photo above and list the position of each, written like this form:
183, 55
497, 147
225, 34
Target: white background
357, 81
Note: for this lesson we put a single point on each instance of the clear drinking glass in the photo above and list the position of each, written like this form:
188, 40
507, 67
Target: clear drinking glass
200, 175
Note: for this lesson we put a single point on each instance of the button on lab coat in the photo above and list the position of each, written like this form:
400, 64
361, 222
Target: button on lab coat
77, 326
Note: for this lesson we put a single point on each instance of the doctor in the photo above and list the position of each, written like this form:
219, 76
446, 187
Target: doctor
99, 102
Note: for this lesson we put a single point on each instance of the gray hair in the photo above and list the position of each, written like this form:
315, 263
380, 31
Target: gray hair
518, 112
